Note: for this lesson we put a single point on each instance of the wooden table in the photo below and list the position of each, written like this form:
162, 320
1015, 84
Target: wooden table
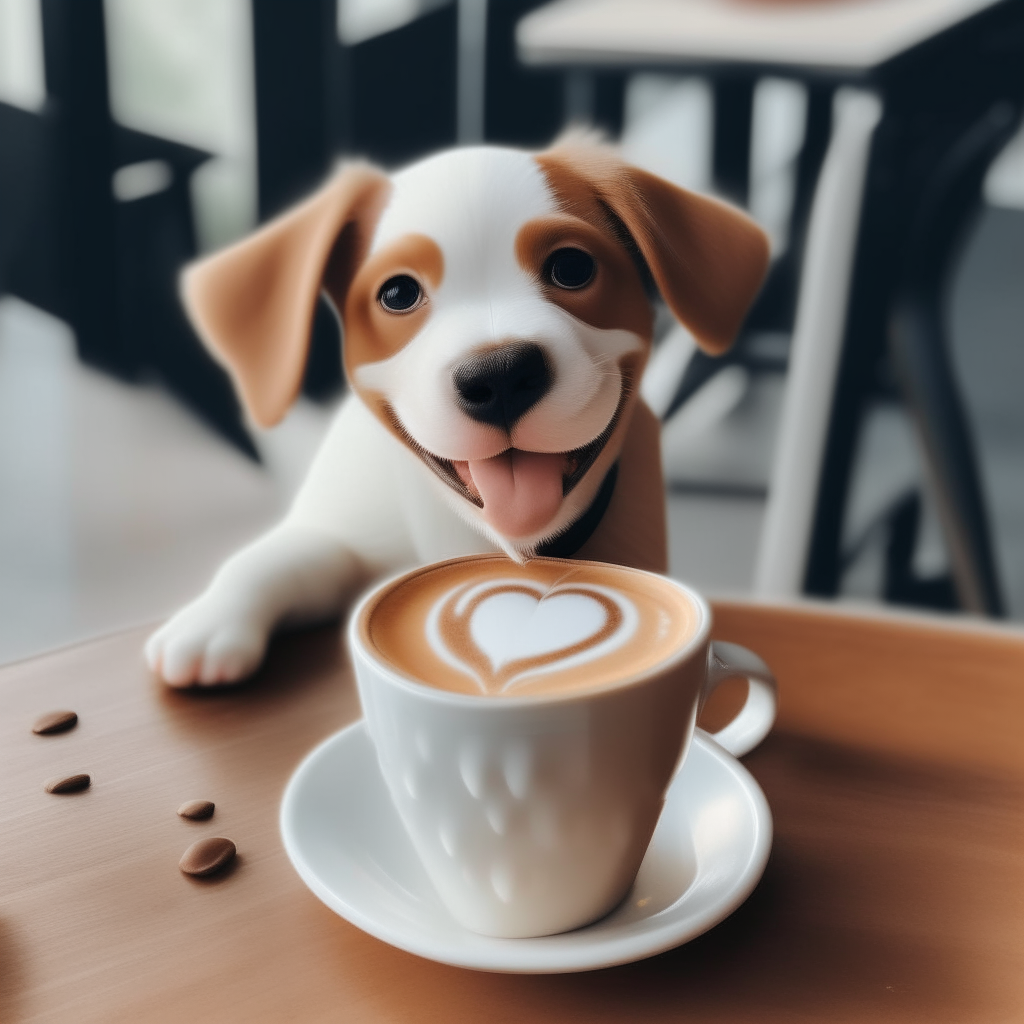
895, 890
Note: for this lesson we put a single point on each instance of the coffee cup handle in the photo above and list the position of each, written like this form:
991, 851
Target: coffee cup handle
756, 717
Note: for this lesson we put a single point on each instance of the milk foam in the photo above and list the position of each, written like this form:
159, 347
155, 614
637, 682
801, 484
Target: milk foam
524, 629
483, 625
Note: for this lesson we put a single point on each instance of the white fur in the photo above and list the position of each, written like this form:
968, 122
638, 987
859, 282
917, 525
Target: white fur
487, 297
369, 505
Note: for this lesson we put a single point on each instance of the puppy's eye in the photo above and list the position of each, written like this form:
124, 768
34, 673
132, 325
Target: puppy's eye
570, 268
399, 294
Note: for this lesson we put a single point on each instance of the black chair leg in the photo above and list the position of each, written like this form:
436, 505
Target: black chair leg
734, 113
920, 354
919, 351
902, 584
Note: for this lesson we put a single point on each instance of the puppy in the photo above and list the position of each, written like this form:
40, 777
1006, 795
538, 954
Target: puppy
497, 317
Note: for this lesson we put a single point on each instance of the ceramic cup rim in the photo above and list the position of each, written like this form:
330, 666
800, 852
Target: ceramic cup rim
359, 645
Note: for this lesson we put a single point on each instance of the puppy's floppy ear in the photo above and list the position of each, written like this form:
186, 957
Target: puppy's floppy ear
707, 258
253, 303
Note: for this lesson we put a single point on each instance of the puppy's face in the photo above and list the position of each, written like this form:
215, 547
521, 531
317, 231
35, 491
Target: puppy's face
495, 312
498, 328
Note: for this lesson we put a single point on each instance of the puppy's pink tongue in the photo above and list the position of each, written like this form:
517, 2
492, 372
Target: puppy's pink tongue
521, 491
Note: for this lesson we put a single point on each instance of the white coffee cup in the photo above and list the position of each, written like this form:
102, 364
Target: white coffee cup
531, 814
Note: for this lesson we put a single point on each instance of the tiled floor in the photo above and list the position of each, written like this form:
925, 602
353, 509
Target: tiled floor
115, 504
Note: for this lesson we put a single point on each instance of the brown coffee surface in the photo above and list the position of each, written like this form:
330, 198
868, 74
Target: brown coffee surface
490, 627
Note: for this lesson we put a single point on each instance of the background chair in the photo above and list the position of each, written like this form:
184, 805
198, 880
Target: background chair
96, 219
945, 84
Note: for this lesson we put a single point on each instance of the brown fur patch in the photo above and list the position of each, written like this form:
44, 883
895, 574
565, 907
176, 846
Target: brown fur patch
633, 530
371, 332
708, 259
615, 298
253, 303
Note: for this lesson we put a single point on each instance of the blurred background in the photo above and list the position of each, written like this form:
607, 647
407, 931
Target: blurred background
864, 441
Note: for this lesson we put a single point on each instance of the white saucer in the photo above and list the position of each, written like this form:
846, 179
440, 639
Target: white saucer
346, 842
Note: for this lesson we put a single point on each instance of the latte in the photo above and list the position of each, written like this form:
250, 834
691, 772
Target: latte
487, 626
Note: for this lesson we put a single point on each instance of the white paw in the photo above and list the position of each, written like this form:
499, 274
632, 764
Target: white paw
210, 641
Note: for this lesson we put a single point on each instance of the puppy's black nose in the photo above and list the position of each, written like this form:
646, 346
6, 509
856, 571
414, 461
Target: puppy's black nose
499, 386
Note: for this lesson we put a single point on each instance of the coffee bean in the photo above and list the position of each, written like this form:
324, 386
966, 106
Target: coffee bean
196, 810
207, 856
68, 783
54, 721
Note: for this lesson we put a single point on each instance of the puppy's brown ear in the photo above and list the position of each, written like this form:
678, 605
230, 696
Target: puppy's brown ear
708, 259
253, 303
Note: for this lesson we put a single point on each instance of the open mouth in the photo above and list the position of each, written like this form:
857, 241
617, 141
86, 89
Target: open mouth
519, 492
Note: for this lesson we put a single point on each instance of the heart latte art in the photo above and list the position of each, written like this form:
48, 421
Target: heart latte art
487, 626
505, 630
